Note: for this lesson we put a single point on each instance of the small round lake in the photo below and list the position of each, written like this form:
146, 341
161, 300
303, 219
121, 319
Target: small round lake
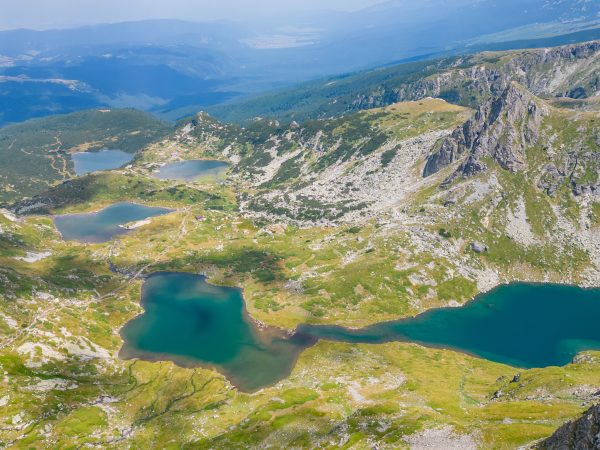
193, 170
103, 225
88, 162
193, 323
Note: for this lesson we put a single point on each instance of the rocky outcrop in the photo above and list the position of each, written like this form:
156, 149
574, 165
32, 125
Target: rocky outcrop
581, 434
578, 170
501, 129
551, 179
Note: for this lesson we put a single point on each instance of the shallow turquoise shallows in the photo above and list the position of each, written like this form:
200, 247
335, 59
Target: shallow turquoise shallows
103, 225
193, 323
193, 170
87, 162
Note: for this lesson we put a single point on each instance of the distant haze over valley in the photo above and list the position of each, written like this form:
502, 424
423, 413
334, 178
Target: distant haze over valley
175, 68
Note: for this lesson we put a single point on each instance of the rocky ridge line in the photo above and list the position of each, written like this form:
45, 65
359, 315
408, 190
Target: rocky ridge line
566, 71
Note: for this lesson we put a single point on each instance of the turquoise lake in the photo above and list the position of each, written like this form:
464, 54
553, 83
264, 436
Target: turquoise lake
193, 323
103, 225
87, 162
193, 170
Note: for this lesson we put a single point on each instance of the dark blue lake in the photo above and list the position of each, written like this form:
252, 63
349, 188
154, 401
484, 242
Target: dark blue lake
103, 225
87, 162
193, 323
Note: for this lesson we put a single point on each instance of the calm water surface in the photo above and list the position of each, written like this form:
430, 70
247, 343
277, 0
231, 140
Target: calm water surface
103, 225
193, 170
193, 323
87, 162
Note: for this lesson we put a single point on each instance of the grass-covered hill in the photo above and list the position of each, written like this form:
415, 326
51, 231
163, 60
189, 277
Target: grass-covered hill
568, 71
36, 154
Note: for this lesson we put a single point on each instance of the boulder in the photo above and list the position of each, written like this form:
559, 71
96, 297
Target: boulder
478, 247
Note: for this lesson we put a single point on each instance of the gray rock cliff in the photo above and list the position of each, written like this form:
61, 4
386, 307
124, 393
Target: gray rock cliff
580, 434
502, 129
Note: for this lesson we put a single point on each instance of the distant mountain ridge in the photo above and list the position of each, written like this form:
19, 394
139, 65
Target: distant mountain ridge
488, 73
175, 68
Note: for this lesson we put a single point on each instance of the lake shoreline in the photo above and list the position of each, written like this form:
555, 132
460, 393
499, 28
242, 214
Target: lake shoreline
268, 342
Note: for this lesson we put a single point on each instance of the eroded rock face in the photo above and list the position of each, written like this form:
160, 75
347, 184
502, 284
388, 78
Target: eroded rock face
581, 434
502, 129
